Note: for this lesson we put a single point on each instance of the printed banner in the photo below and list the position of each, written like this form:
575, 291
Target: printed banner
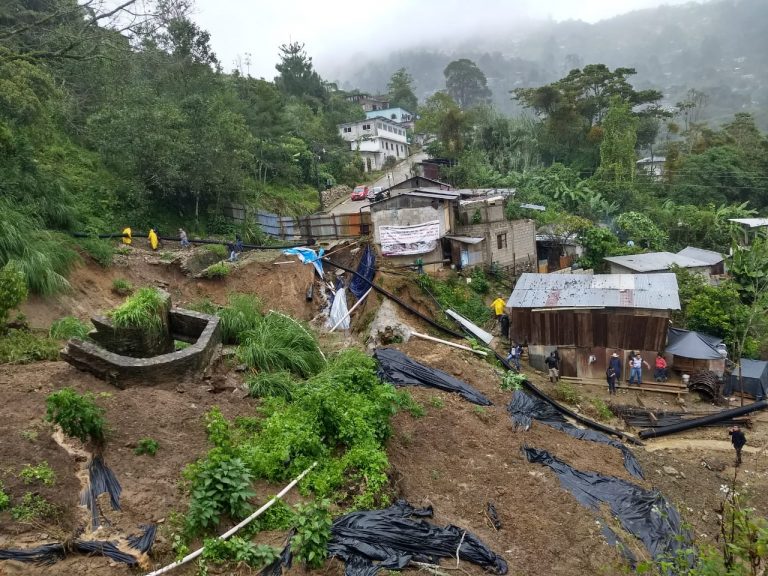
404, 240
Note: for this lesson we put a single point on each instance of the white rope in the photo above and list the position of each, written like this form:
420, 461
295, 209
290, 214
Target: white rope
229, 533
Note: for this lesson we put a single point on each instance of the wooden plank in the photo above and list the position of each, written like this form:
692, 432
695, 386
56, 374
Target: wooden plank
665, 389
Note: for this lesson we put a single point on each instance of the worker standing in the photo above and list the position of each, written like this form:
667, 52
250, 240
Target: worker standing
498, 308
183, 238
553, 364
127, 236
738, 439
154, 242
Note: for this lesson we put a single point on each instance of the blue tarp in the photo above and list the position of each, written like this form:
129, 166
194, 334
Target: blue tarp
308, 256
366, 268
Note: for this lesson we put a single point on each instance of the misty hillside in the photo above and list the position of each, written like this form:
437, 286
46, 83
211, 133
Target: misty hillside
719, 48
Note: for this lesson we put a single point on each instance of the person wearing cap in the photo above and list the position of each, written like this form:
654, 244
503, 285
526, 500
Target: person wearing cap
738, 439
636, 369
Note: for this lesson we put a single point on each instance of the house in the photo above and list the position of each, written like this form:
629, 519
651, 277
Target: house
652, 262
432, 167
399, 115
416, 182
753, 381
369, 103
461, 227
556, 250
688, 352
589, 317
714, 260
376, 140
652, 166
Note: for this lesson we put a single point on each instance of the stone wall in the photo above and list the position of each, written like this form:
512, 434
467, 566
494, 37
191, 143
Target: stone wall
329, 197
123, 371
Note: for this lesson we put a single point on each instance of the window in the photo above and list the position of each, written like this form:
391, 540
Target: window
386, 145
366, 126
347, 129
501, 241
394, 116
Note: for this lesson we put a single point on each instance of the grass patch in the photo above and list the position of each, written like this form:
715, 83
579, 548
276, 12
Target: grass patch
122, 287
216, 271
33, 507
141, 310
279, 342
102, 251
219, 249
68, 327
23, 347
405, 401
565, 392
436, 402
455, 294
180, 345
604, 412
271, 384
5, 499
147, 446
166, 256
42, 473
242, 313
204, 306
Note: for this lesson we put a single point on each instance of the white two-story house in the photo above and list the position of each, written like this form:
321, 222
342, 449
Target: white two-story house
376, 139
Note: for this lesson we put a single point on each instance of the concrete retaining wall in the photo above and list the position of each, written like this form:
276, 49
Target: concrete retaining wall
124, 371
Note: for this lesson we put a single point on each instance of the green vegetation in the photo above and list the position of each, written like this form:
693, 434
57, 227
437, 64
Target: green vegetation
141, 310
271, 384
205, 306
280, 343
219, 249
102, 251
13, 290
454, 294
122, 287
217, 271
33, 507
513, 381
24, 347
313, 531
603, 410
238, 550
436, 402
41, 473
68, 327
77, 414
242, 313
219, 486
567, 393
147, 446
5, 499
405, 401
180, 345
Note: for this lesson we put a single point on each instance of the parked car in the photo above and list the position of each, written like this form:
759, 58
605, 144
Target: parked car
377, 193
360, 193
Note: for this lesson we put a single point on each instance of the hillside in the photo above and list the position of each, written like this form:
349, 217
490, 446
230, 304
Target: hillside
715, 47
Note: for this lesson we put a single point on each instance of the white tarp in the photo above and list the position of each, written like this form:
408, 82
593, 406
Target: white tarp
339, 311
404, 240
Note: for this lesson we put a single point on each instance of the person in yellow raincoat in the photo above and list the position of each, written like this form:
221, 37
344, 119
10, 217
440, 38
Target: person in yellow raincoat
127, 235
153, 240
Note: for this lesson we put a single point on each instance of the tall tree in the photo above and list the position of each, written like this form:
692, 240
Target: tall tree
400, 90
442, 117
617, 149
297, 73
466, 83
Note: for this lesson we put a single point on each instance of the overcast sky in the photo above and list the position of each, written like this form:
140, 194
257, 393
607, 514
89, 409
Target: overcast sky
333, 29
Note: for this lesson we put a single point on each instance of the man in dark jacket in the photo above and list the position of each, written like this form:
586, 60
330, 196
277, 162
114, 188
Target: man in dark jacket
553, 363
738, 440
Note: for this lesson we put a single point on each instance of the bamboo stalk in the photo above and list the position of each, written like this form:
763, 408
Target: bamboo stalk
459, 346
356, 304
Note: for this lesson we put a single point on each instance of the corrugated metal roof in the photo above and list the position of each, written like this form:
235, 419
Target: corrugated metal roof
652, 261
436, 195
751, 222
466, 239
708, 256
653, 291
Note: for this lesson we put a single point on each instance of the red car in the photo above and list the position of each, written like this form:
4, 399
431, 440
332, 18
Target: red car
360, 193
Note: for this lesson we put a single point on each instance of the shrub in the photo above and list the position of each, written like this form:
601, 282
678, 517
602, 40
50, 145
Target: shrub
122, 287
33, 507
40, 473
603, 410
68, 327
77, 414
142, 310
266, 384
565, 392
313, 531
23, 347
102, 251
280, 343
405, 401
453, 294
242, 313
237, 550
219, 249
513, 381
219, 486
147, 446
479, 281
13, 290
216, 271
5, 500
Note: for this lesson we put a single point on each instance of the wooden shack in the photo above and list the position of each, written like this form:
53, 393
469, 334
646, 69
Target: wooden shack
589, 317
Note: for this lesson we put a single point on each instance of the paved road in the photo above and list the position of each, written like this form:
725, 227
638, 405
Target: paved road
397, 174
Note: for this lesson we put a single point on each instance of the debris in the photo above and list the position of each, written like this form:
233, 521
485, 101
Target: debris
671, 471
447, 343
490, 512
705, 420
349, 313
476, 331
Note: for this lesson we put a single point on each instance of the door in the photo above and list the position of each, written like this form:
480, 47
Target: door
464, 256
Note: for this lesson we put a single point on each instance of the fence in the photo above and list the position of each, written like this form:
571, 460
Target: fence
317, 226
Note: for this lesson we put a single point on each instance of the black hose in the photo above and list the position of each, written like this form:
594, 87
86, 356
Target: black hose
529, 385
704, 420
308, 242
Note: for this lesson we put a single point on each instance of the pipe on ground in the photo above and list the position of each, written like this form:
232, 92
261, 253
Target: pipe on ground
704, 420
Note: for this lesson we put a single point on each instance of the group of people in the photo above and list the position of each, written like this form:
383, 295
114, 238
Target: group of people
636, 363
234, 248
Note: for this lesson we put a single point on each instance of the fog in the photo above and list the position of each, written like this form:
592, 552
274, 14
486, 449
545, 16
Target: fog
246, 34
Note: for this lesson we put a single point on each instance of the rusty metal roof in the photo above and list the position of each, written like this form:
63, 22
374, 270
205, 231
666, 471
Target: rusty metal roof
652, 291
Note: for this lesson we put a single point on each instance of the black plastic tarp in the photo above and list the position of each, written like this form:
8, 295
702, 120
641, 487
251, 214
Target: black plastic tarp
523, 408
754, 374
361, 282
391, 538
645, 514
692, 345
400, 370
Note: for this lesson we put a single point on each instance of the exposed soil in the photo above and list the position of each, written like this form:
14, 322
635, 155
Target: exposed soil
457, 457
